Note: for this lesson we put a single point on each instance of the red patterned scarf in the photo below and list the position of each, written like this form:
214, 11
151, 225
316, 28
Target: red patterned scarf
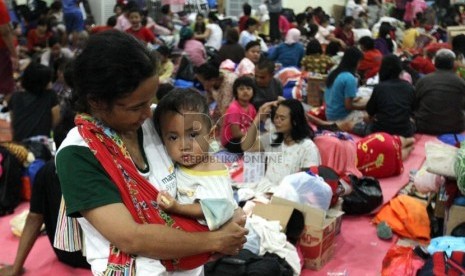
138, 195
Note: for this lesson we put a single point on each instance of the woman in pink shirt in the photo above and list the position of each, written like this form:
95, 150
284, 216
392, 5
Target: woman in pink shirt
192, 47
239, 116
412, 7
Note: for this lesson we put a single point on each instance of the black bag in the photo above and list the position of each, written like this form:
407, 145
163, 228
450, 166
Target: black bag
10, 182
365, 197
248, 263
186, 69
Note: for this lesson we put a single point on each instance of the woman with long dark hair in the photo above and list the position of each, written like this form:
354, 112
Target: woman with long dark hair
384, 43
340, 94
290, 151
390, 106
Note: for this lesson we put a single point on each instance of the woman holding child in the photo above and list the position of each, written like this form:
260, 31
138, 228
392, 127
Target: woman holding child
113, 164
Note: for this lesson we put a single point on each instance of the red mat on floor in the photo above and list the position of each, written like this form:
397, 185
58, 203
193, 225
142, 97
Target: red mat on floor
41, 260
358, 249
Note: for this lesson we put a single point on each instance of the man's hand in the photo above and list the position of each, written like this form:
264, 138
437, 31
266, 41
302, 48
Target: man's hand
8, 270
15, 63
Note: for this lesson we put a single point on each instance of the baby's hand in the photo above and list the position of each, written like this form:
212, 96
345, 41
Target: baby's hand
166, 201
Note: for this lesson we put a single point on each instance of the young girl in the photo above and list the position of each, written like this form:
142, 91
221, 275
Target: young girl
239, 115
203, 184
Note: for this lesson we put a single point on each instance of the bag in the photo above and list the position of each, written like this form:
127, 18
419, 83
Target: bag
439, 264
305, 188
459, 168
401, 261
331, 177
440, 158
250, 264
425, 182
185, 69
10, 182
365, 197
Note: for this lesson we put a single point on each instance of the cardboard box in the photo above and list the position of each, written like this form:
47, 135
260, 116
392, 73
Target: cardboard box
5, 131
455, 216
315, 88
439, 208
321, 228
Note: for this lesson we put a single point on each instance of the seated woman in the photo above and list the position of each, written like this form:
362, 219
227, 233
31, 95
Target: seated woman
290, 52
231, 49
341, 87
35, 111
344, 34
252, 56
114, 157
199, 26
213, 34
390, 108
193, 48
249, 34
315, 61
384, 42
291, 151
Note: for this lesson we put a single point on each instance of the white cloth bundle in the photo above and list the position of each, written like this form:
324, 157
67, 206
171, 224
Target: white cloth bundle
440, 158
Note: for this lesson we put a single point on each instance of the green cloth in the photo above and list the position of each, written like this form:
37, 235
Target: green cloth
460, 168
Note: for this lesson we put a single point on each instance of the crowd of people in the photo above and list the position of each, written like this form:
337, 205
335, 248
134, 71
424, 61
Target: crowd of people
156, 168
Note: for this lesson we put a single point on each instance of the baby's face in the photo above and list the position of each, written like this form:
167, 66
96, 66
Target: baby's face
186, 137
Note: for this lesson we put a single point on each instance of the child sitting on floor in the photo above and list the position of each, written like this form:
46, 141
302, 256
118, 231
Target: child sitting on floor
166, 65
203, 184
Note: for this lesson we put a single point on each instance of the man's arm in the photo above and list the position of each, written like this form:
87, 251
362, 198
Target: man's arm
205, 35
28, 238
7, 36
157, 241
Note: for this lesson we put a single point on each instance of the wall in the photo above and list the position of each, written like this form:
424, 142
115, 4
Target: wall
300, 5
234, 7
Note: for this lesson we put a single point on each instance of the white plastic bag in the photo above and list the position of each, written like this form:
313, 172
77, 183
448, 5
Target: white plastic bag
254, 166
305, 189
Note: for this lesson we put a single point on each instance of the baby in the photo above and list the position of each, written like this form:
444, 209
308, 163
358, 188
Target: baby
203, 183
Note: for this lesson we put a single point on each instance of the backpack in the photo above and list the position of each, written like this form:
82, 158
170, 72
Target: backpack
439, 264
10, 182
